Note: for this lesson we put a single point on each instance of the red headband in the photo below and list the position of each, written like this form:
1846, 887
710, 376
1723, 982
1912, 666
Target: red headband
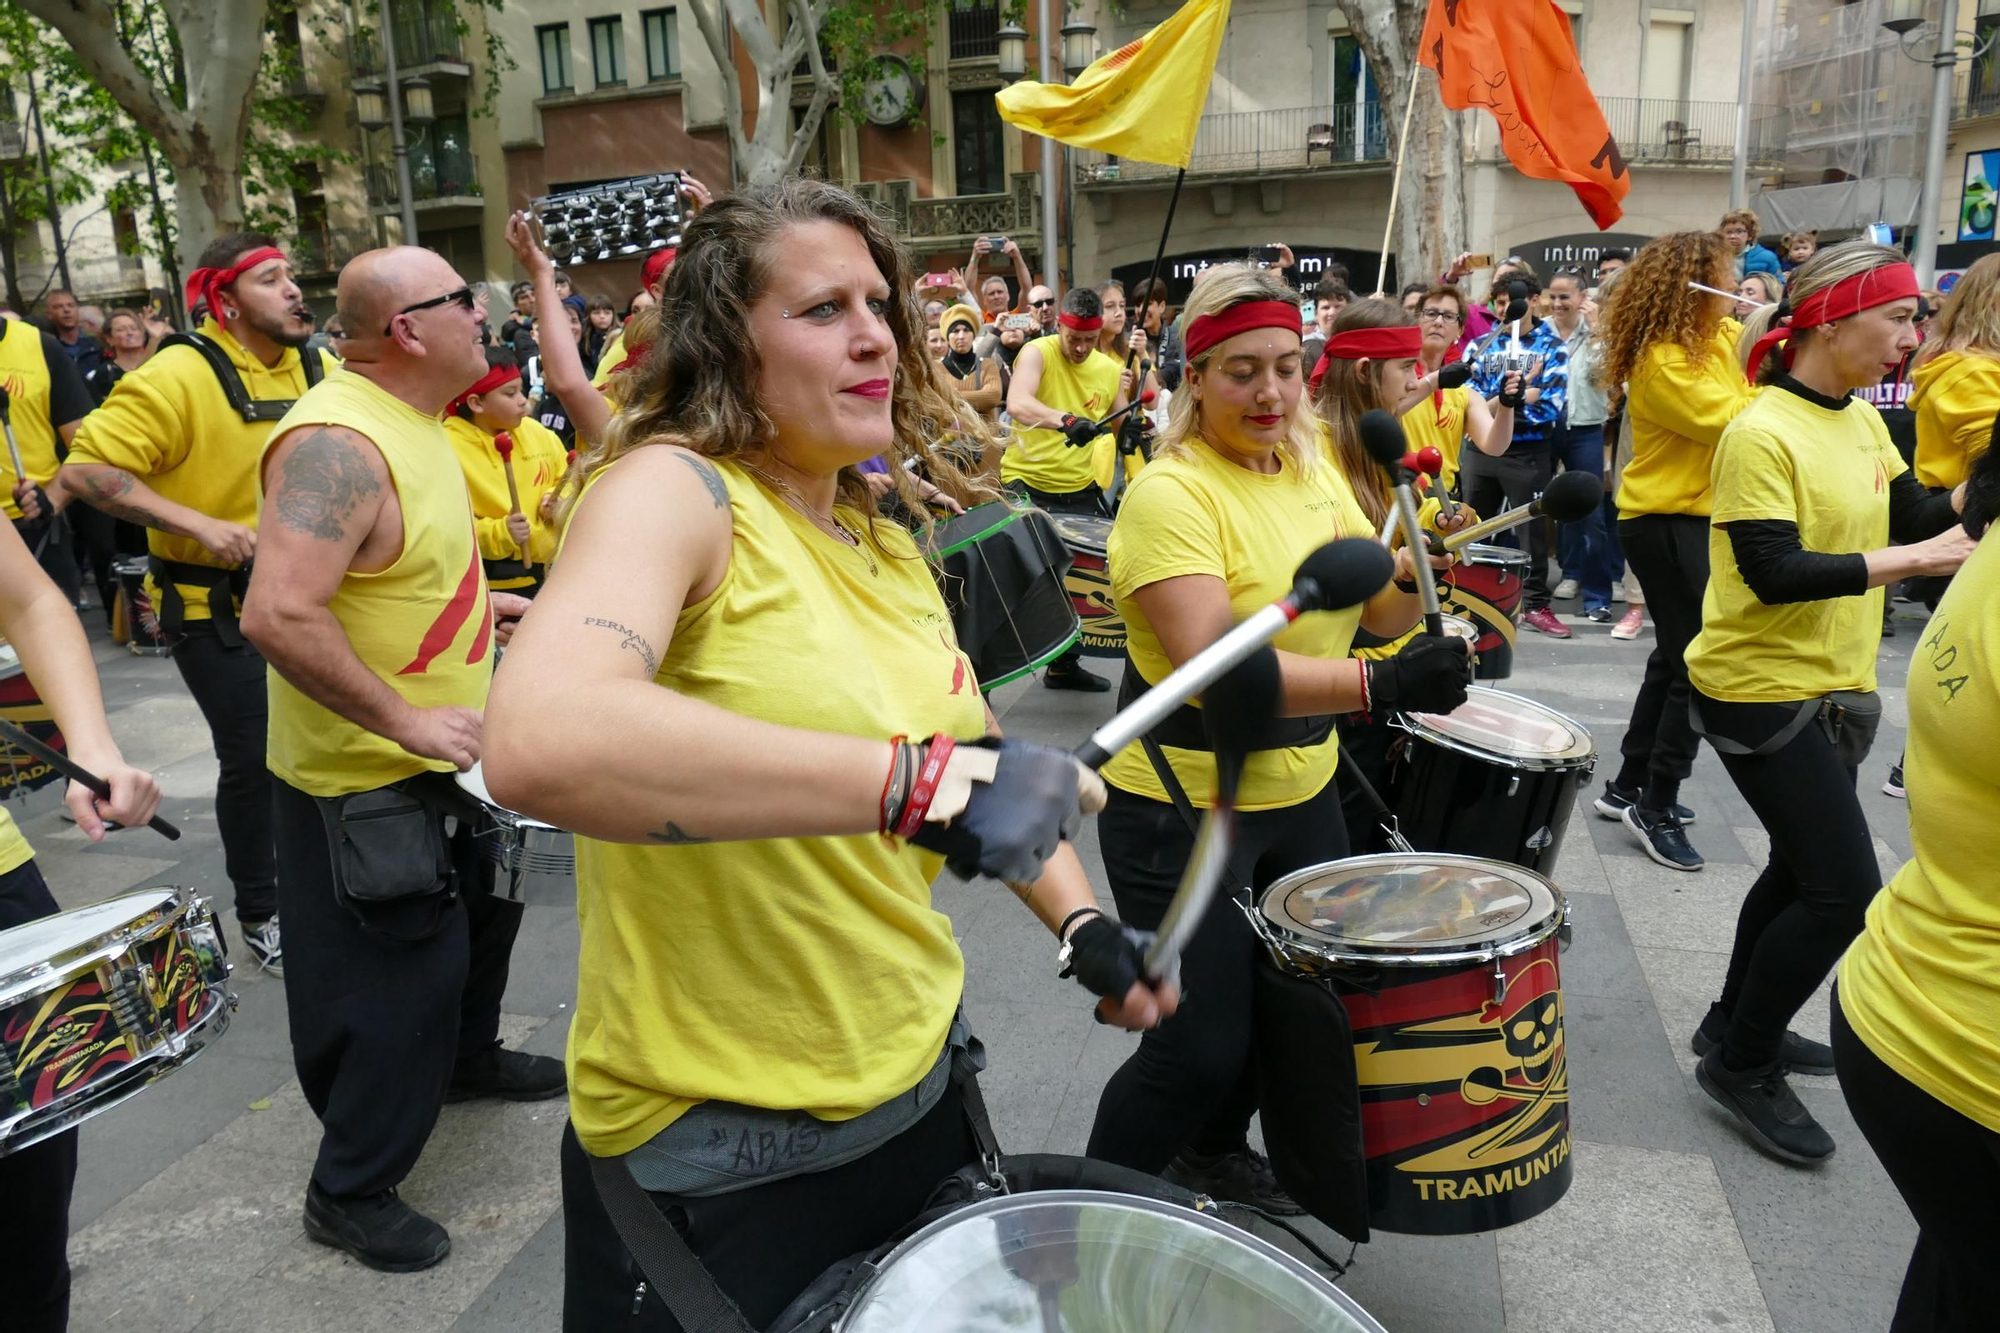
1376, 344
488, 382
204, 283
656, 265
1863, 291
1079, 323
632, 358
1209, 330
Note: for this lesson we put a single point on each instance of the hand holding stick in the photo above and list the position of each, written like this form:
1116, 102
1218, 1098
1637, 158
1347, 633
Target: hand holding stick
75, 772
504, 444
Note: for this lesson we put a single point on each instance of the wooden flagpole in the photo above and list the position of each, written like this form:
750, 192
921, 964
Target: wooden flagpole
1396, 175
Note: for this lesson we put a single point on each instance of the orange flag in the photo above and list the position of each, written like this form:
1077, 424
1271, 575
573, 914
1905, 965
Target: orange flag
1517, 59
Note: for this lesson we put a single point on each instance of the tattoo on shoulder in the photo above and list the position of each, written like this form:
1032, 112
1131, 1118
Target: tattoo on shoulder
632, 641
718, 491
324, 478
673, 835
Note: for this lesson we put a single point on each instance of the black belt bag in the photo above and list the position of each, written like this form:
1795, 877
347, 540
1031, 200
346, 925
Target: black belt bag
389, 847
1849, 718
225, 587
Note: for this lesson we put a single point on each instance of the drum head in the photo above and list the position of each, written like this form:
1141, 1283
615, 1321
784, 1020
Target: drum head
1085, 1259
1508, 728
1412, 905
50, 938
962, 530
1083, 531
1486, 553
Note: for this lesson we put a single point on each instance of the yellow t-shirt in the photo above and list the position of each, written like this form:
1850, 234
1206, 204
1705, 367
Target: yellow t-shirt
24, 372
1677, 413
1205, 515
1828, 472
614, 352
14, 849
1956, 396
1043, 458
1439, 421
539, 463
424, 625
787, 973
169, 424
1922, 983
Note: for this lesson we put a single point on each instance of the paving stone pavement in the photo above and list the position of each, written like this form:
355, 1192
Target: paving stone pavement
187, 1201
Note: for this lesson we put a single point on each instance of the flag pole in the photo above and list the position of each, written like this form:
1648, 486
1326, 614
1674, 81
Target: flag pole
1396, 175
1138, 320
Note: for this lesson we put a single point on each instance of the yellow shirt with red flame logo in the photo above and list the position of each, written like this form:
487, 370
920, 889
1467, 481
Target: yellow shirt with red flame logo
539, 462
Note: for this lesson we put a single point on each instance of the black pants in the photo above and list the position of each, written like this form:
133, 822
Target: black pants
378, 1022
1090, 503
1192, 1082
1947, 1168
762, 1245
1507, 482
1808, 905
228, 686
54, 547
35, 1182
1669, 553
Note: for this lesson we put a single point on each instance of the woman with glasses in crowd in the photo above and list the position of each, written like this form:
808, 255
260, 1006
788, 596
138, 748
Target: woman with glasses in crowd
1444, 418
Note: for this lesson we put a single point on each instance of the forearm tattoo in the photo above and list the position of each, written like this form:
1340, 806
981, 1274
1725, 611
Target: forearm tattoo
632, 641
673, 835
106, 485
325, 478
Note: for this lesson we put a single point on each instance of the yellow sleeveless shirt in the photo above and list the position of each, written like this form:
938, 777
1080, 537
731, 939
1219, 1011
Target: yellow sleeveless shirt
786, 973
1043, 458
423, 625
25, 376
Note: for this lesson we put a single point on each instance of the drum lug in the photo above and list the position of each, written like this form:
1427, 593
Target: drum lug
1513, 783
1564, 931
1499, 981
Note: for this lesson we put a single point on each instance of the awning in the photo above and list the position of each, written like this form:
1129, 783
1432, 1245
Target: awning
1840, 207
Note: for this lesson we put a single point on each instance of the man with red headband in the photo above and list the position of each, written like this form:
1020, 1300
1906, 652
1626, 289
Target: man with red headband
1061, 388
371, 604
174, 448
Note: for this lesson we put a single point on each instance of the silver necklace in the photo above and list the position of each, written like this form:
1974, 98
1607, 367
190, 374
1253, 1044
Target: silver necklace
828, 524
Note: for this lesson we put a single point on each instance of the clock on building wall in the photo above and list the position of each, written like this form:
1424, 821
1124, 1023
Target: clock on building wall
890, 93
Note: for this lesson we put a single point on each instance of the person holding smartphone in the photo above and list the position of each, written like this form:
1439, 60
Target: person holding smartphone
995, 299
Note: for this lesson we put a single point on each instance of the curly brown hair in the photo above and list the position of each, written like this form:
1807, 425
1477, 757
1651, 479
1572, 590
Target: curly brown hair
697, 386
1653, 303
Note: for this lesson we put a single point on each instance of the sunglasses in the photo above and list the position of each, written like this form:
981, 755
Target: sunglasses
1039, 304
463, 296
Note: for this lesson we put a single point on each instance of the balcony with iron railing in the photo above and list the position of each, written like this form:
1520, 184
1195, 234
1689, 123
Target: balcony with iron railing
317, 251
13, 140
1665, 131
972, 29
1249, 143
445, 180
1977, 94
427, 42
954, 220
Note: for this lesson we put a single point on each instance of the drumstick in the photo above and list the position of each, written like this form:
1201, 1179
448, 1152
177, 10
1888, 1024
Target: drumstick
1382, 437
1712, 291
1565, 501
7, 424
1142, 400
1430, 463
76, 772
504, 444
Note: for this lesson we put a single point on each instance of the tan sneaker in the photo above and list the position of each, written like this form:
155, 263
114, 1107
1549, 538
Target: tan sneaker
1630, 624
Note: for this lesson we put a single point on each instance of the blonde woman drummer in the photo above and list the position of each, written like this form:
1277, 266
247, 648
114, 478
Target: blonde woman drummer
1239, 492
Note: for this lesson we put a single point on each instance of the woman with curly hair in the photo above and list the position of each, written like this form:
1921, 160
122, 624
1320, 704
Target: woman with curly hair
744, 653
1669, 353
1955, 389
1808, 491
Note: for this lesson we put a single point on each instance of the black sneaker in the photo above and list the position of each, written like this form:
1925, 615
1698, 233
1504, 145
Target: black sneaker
1894, 786
1243, 1176
380, 1230
1618, 798
1797, 1055
508, 1076
1599, 615
1664, 837
1075, 678
1767, 1108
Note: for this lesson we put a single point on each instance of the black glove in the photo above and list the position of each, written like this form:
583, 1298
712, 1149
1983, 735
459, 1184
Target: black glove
1105, 957
1518, 395
31, 529
1079, 431
1429, 675
1134, 434
1454, 375
1012, 825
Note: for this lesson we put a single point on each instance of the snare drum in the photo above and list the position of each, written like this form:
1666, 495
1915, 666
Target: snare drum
1485, 588
1448, 969
136, 623
19, 704
517, 844
1496, 776
1001, 572
98, 1002
1089, 1259
1089, 583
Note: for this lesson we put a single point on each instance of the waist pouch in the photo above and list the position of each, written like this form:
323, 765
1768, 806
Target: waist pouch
1848, 718
388, 848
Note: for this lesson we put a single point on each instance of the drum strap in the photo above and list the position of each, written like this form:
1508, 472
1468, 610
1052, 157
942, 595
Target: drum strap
223, 586
1184, 730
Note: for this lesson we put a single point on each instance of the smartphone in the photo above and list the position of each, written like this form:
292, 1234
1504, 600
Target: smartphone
1265, 256
1025, 323
937, 280
998, 244
1480, 261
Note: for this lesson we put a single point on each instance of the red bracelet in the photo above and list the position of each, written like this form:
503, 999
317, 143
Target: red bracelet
1366, 700
889, 778
926, 785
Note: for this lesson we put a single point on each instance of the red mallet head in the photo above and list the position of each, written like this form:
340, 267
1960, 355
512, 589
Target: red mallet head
1410, 462
1430, 461
1147, 397
572, 458
504, 443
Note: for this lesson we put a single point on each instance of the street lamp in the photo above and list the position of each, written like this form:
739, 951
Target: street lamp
418, 109
1079, 45
1907, 22
370, 111
1013, 40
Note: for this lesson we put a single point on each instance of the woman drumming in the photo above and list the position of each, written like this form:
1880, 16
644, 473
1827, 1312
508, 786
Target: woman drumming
1670, 353
1916, 1013
1238, 494
743, 654
1444, 418
1808, 491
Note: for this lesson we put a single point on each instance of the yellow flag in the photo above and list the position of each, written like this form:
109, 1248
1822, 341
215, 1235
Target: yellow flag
1142, 101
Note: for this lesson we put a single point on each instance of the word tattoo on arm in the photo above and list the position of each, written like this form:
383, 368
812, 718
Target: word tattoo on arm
632, 641
718, 491
323, 481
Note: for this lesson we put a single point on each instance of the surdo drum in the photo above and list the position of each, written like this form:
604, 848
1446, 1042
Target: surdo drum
1448, 969
1089, 583
1484, 587
514, 842
1002, 570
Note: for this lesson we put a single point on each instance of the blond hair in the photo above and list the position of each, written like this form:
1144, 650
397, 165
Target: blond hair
1835, 264
1970, 319
1346, 393
1221, 287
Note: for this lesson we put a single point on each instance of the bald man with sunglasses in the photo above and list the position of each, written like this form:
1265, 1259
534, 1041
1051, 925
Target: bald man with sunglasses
371, 605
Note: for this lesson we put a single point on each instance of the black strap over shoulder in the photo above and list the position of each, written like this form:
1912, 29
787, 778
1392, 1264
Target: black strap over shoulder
240, 401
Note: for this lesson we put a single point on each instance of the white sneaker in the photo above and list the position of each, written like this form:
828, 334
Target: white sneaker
1567, 590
